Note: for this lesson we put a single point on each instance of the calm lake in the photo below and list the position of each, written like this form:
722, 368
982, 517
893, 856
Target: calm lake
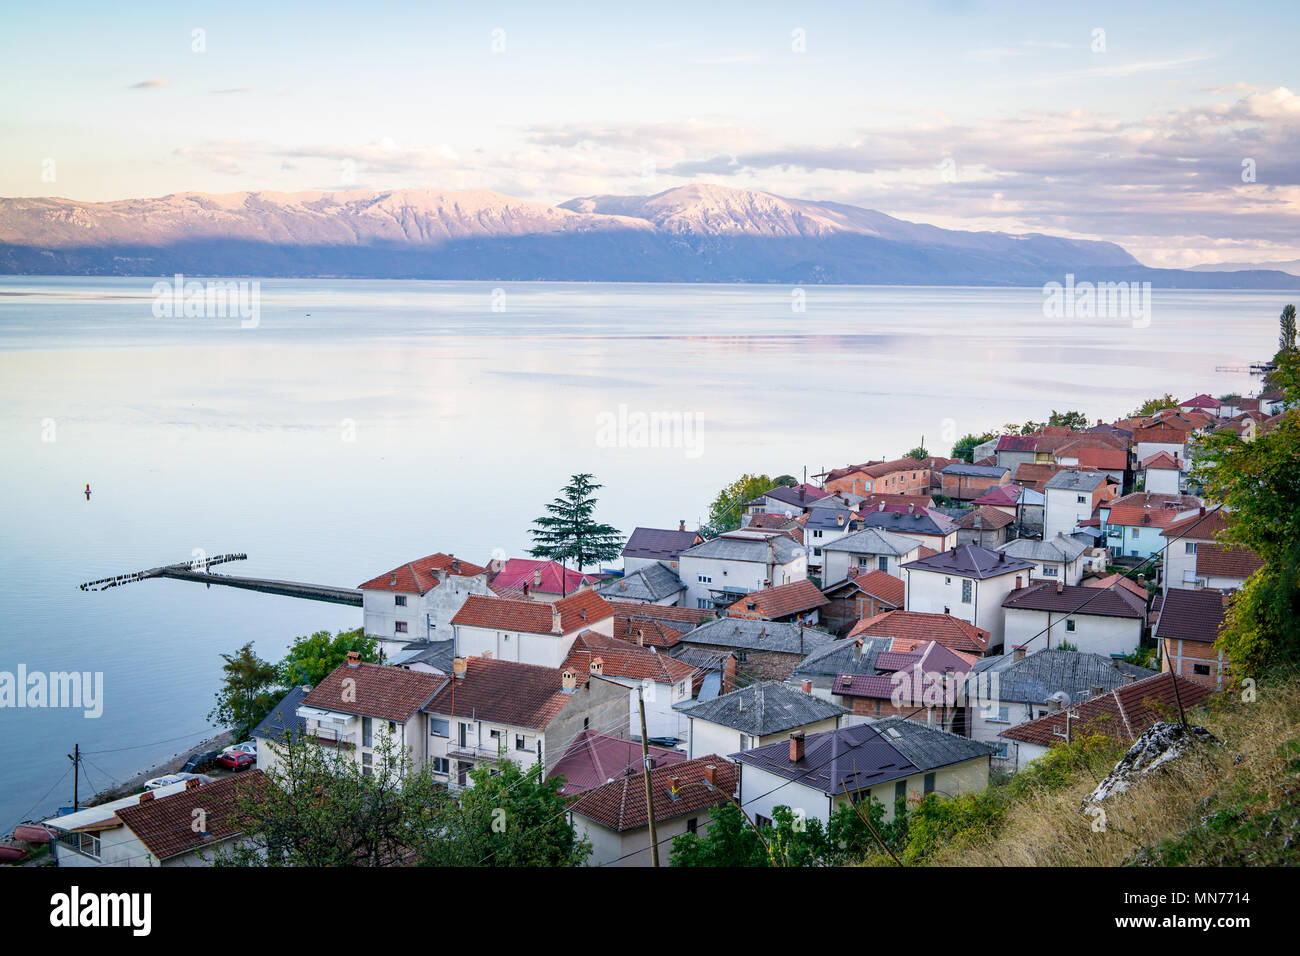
364, 423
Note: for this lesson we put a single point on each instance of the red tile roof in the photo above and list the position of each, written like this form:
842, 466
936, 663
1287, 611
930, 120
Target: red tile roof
1112, 580
646, 631
624, 661
422, 575
541, 576
505, 692
389, 693
1197, 527
621, 806
1035, 475
1123, 713
894, 502
687, 615
774, 603
594, 759
1004, 496
1161, 459
952, 633
990, 519
1091, 456
1214, 560
165, 825
882, 586
1076, 599
577, 611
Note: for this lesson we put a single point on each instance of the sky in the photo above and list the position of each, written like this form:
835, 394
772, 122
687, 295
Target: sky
1170, 128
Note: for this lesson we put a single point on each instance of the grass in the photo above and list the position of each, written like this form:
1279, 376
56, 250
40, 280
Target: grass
1237, 803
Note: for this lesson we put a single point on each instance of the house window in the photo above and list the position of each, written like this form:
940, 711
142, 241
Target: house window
400, 627
1069, 624
761, 821
900, 790
1001, 751
367, 764
367, 732
882, 563
400, 600
744, 741
1049, 571
1003, 717
702, 604
692, 824
441, 765
439, 727
1202, 669
966, 590
1080, 500
929, 783
392, 727
705, 578
521, 742
817, 534
1189, 547
817, 552
462, 773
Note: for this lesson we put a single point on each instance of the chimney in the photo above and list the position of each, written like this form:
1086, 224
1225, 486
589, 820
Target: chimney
1096, 690
458, 667
1019, 583
537, 577
392, 581
193, 783
911, 508
857, 649
597, 665
681, 524
710, 775
354, 658
953, 552
1018, 653
568, 681
640, 636
455, 565
147, 795
796, 746
1202, 511
806, 687
839, 519
1060, 587
582, 612
555, 620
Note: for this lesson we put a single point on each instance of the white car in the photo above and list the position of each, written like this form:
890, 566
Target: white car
157, 783
249, 747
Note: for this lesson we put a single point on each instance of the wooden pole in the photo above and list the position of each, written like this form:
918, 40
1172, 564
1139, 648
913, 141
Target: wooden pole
645, 768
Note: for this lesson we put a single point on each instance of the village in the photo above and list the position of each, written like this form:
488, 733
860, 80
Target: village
886, 631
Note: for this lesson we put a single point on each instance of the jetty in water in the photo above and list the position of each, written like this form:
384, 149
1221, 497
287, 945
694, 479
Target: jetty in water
198, 571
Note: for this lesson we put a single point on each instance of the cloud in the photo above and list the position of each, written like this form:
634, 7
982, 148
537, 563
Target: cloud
153, 84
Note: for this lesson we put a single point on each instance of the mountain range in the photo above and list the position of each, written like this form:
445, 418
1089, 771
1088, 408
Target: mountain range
697, 233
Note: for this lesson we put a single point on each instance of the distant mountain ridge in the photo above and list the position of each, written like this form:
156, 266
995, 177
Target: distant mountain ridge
697, 233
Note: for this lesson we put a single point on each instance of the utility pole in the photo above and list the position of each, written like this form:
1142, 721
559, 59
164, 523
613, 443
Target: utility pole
75, 757
645, 767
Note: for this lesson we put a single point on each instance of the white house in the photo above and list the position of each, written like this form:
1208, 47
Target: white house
888, 760
654, 582
871, 549
650, 546
613, 818
529, 632
1060, 558
1134, 523
1071, 497
755, 715
1182, 539
970, 583
727, 567
663, 682
417, 600
1105, 621
1163, 473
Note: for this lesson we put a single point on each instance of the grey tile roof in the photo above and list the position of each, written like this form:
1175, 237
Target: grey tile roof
1059, 548
701, 657
854, 758
283, 719
654, 582
1075, 481
1076, 599
770, 707
970, 561
873, 541
732, 547
736, 632
658, 544
925, 521
788, 496
1038, 676
842, 657
437, 654
829, 519
974, 471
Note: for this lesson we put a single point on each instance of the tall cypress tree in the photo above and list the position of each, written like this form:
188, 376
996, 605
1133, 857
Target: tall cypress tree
569, 532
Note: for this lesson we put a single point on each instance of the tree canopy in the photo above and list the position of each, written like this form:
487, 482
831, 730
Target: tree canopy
249, 689
569, 532
729, 505
313, 657
964, 447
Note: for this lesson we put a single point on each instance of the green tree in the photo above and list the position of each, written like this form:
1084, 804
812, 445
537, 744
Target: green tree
1076, 420
1153, 405
1258, 484
311, 658
919, 453
729, 505
569, 531
249, 689
509, 817
964, 447
320, 807
785, 481
1286, 330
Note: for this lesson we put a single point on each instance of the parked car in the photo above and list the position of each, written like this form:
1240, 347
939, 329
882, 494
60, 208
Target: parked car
199, 760
248, 746
167, 780
236, 760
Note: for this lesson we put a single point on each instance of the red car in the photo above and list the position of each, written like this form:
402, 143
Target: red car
236, 760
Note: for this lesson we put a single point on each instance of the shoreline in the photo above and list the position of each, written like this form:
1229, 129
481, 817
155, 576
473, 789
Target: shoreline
171, 764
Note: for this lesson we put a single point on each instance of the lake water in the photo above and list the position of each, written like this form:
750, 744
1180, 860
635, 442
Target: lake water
364, 423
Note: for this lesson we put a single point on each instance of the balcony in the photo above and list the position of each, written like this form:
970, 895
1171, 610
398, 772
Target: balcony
469, 751
335, 739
